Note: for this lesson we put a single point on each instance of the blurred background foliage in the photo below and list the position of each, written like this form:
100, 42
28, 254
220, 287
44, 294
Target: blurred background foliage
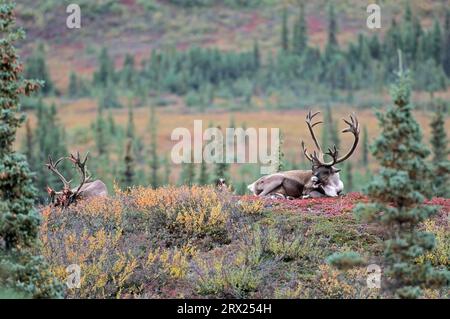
138, 69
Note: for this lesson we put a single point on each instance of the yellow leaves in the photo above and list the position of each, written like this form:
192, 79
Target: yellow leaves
174, 263
171, 197
332, 285
203, 219
217, 216
60, 272
253, 207
440, 255
195, 210
123, 268
92, 233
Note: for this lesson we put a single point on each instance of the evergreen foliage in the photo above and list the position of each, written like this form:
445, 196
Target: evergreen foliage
73, 90
20, 269
439, 145
365, 147
221, 167
128, 175
284, 31
187, 176
349, 185
106, 73
298, 69
446, 44
167, 170
101, 132
50, 141
36, 68
280, 158
397, 193
300, 34
154, 158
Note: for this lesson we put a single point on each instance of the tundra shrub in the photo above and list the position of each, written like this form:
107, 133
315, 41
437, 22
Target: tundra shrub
135, 240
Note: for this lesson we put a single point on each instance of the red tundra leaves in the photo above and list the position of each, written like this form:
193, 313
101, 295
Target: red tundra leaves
333, 206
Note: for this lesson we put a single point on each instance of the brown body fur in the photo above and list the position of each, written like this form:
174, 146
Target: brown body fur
93, 189
293, 183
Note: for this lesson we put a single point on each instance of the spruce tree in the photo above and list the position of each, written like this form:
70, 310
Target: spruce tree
130, 132
28, 145
325, 136
446, 44
108, 97
396, 197
154, 158
101, 132
112, 127
408, 34
256, 58
365, 146
221, 167
221, 171
335, 134
128, 175
203, 178
392, 42
349, 177
105, 74
167, 170
436, 42
332, 42
300, 34
20, 269
72, 90
128, 72
375, 47
280, 158
431, 77
187, 176
285, 31
36, 68
441, 164
330, 135
50, 141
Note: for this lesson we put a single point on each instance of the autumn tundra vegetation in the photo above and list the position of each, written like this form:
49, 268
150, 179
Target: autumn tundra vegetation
137, 226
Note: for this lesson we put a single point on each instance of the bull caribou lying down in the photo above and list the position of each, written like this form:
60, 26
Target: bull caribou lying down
321, 181
85, 189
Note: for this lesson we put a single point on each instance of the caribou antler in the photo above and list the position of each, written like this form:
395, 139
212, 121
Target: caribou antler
81, 166
51, 165
317, 158
353, 127
309, 118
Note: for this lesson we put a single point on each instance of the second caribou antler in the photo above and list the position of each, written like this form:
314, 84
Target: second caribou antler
81, 166
51, 165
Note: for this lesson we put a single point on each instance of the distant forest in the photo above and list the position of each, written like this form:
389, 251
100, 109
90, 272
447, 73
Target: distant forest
297, 69
298, 72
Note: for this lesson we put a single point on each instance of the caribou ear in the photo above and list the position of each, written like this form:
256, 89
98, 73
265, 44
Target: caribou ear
335, 170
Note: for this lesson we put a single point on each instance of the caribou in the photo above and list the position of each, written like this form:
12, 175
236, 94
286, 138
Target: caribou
321, 181
86, 188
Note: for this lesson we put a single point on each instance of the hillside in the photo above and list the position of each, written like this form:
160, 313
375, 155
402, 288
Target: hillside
199, 243
221, 62
137, 27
